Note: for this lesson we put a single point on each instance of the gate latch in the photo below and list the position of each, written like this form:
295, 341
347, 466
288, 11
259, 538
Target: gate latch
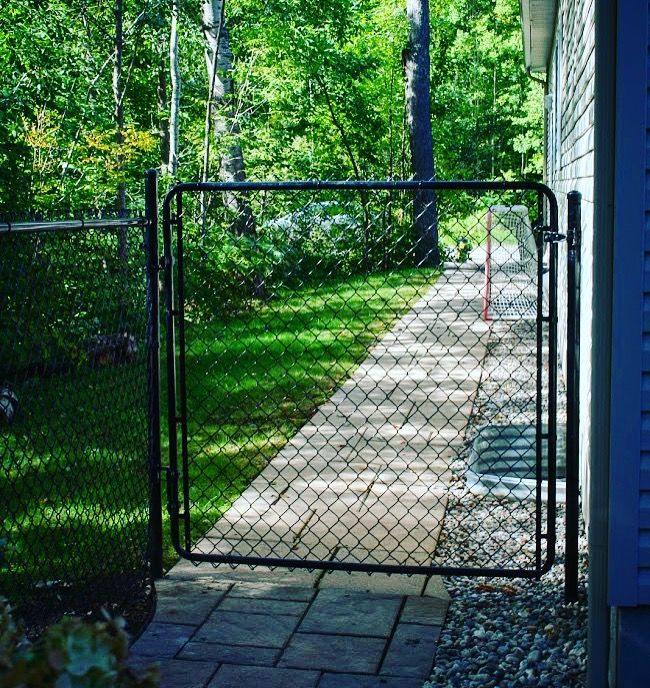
554, 237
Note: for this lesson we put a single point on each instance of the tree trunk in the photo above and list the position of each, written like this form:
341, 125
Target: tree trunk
212, 38
418, 107
162, 110
118, 97
174, 69
494, 112
219, 63
118, 114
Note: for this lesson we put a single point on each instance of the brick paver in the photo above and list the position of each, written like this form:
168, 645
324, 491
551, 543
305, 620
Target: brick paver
242, 628
411, 651
232, 676
163, 640
330, 652
351, 613
241, 655
330, 680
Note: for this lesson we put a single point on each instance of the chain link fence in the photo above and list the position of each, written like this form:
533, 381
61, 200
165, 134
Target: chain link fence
75, 416
326, 353
333, 377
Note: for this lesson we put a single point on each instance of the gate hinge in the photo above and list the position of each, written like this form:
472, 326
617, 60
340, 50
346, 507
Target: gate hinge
554, 237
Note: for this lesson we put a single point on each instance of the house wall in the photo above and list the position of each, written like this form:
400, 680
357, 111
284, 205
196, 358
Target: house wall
622, 354
569, 108
629, 508
629, 450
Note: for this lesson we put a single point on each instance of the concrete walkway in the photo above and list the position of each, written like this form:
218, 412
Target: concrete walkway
365, 480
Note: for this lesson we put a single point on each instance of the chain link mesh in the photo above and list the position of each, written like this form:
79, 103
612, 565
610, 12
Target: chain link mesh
74, 414
328, 377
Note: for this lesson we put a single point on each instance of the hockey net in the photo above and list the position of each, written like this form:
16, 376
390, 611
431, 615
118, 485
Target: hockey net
510, 265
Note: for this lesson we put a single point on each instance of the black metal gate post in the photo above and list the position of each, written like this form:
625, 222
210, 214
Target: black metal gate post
553, 237
573, 396
171, 314
153, 347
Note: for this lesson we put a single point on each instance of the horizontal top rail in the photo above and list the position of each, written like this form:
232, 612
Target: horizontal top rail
315, 185
71, 225
366, 185
306, 185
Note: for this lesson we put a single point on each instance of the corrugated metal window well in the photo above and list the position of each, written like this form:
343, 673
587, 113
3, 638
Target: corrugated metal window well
503, 462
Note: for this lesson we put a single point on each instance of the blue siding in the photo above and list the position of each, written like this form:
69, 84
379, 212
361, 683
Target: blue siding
629, 535
633, 648
644, 459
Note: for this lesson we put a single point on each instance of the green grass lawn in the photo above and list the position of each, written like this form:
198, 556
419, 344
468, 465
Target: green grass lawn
73, 481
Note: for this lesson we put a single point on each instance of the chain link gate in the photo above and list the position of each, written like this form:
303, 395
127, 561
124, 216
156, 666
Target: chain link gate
343, 388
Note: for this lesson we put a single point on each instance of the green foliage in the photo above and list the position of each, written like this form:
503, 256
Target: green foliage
324, 86
232, 262
60, 290
57, 132
319, 93
70, 654
487, 114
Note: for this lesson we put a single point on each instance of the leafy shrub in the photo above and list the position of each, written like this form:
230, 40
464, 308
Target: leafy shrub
316, 239
70, 654
59, 291
225, 272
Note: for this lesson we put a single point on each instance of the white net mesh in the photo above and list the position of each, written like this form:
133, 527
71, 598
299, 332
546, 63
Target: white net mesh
510, 265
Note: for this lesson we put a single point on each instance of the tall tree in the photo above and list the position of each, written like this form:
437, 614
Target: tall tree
118, 97
220, 118
418, 115
163, 128
211, 12
175, 71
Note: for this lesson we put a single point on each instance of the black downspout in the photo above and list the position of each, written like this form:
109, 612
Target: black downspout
571, 557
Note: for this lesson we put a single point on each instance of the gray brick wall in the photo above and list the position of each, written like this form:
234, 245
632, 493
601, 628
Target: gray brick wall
570, 166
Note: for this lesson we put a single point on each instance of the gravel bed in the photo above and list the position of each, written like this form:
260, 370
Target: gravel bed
503, 632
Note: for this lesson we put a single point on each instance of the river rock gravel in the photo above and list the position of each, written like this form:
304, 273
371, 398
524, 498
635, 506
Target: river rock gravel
502, 632
507, 633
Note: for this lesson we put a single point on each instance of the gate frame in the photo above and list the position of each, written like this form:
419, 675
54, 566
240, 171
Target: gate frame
546, 233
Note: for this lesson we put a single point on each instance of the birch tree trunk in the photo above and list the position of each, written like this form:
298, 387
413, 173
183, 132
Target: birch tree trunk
118, 114
118, 97
163, 113
418, 111
221, 120
211, 12
174, 69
